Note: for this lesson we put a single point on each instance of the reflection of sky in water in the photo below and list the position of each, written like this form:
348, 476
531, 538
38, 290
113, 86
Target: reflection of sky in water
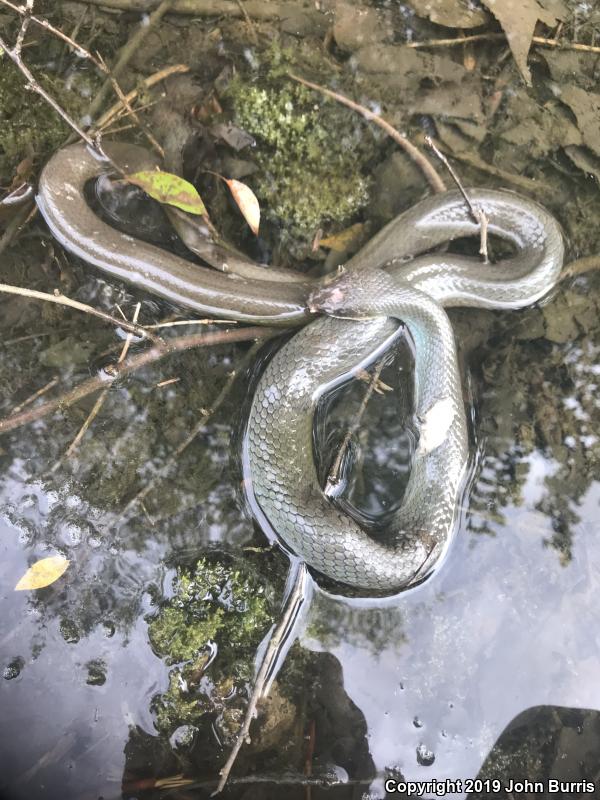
502, 627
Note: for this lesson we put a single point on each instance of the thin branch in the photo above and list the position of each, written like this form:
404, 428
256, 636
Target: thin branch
148, 83
333, 478
258, 9
107, 377
478, 214
281, 633
127, 52
42, 23
27, 12
61, 300
176, 322
50, 385
434, 180
34, 86
206, 414
102, 397
120, 94
479, 37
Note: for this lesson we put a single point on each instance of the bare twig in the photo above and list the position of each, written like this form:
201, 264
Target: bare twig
206, 414
476, 211
101, 398
27, 12
436, 183
81, 51
333, 478
528, 184
127, 52
258, 9
50, 385
42, 23
298, 595
177, 322
60, 299
479, 37
154, 354
249, 23
34, 86
148, 83
119, 92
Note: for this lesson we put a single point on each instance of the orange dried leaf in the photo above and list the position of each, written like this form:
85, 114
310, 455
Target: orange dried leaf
168, 188
247, 203
43, 573
344, 240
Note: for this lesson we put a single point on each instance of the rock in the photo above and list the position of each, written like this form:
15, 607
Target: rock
451, 13
357, 26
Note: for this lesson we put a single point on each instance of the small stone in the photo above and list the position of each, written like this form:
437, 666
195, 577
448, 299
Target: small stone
425, 756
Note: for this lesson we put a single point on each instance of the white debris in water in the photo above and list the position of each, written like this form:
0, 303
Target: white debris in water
435, 424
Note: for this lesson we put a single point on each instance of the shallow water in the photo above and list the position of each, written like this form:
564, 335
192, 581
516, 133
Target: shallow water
421, 687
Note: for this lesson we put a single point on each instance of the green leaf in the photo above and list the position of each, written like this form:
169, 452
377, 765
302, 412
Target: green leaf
168, 188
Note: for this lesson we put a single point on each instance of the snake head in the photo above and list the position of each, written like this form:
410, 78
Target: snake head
348, 294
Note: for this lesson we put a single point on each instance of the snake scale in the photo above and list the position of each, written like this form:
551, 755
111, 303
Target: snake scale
389, 280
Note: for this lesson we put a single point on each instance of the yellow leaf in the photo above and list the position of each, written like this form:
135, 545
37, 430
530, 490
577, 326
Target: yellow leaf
344, 240
168, 188
43, 573
247, 203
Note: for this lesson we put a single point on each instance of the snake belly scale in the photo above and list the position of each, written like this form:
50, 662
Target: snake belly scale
388, 280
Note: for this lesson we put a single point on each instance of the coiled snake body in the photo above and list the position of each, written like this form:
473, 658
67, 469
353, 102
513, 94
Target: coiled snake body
378, 287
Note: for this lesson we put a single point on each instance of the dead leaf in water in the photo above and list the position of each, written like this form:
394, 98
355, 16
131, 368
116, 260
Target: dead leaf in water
246, 201
345, 240
43, 573
518, 19
168, 188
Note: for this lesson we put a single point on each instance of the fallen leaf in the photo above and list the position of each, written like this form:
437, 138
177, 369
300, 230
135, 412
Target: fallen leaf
344, 240
168, 188
586, 108
247, 203
43, 573
518, 19
235, 137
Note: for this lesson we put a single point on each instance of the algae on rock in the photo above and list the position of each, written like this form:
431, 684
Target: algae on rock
311, 154
217, 607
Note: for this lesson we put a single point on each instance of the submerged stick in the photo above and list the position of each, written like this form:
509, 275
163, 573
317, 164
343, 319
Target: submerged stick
154, 354
285, 627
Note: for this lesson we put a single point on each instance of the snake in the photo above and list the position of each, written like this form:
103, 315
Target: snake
346, 322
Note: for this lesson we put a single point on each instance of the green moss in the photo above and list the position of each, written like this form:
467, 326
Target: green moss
215, 606
28, 126
311, 154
